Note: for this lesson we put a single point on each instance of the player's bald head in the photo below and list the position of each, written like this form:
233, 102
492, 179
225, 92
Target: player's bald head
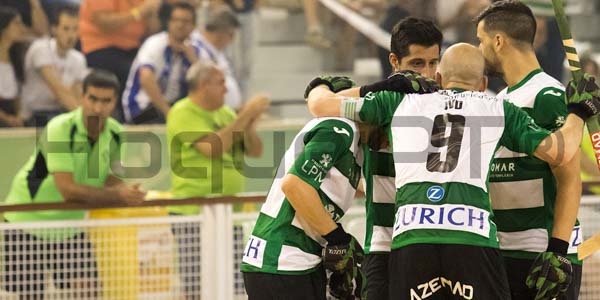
462, 63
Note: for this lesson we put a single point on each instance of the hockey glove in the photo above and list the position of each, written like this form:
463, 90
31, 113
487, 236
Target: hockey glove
582, 97
550, 274
335, 83
341, 285
342, 252
407, 82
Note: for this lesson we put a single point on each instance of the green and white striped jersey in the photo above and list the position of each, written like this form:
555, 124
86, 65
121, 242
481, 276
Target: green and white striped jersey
380, 192
522, 187
324, 154
443, 144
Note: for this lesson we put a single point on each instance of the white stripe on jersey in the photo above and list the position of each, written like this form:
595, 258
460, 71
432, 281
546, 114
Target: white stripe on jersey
381, 240
384, 189
294, 259
517, 194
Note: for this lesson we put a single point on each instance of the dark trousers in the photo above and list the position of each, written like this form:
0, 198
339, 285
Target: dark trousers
518, 269
447, 271
376, 267
117, 61
266, 286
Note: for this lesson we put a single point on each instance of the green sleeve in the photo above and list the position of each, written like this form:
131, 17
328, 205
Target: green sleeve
549, 110
324, 145
521, 133
378, 107
55, 143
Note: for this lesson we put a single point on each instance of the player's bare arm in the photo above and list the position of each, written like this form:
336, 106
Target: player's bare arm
307, 203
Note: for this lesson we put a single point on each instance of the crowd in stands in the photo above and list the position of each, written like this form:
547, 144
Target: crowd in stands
147, 44
48, 46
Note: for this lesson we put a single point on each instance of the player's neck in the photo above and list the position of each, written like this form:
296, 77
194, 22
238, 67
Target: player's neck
518, 65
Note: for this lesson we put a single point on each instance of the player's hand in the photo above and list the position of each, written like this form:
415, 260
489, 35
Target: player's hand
348, 285
551, 271
334, 83
407, 82
582, 99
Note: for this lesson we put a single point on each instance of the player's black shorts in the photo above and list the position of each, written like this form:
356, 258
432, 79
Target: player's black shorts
265, 286
26, 259
375, 267
440, 272
517, 270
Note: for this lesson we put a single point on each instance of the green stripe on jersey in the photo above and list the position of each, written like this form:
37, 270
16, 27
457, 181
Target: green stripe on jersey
379, 216
280, 242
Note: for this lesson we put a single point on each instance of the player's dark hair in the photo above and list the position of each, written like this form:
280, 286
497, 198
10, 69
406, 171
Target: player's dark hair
414, 31
101, 79
511, 17
66, 9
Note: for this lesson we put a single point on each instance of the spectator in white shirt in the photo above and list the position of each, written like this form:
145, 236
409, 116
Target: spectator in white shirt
157, 77
219, 30
54, 71
11, 28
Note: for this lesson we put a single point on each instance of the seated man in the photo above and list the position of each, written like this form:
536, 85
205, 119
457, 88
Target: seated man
53, 71
157, 77
59, 171
205, 148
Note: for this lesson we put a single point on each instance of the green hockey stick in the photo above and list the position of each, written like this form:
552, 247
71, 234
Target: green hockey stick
593, 124
591, 245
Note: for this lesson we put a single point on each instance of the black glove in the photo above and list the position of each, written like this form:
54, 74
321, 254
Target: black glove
551, 272
343, 256
335, 83
582, 97
341, 285
407, 82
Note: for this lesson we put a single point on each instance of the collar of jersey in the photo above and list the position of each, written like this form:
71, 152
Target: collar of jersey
524, 80
79, 121
457, 90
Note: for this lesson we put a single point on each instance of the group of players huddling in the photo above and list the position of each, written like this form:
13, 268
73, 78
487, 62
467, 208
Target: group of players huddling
468, 196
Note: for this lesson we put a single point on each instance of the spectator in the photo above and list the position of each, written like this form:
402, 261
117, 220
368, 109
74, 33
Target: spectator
112, 31
10, 30
33, 16
202, 132
157, 77
219, 31
59, 170
314, 34
462, 21
242, 49
54, 71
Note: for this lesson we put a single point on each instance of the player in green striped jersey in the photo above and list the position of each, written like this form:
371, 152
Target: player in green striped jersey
535, 204
315, 184
415, 46
444, 240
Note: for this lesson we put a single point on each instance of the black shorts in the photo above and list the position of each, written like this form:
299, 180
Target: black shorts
439, 272
26, 259
518, 269
266, 286
375, 267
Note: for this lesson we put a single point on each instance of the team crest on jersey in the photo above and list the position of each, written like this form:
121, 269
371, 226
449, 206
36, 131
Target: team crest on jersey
560, 121
435, 193
325, 160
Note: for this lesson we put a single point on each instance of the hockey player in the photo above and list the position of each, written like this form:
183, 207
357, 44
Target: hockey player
444, 242
535, 204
